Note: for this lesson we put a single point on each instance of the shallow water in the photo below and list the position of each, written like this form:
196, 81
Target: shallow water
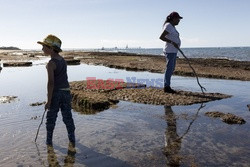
128, 135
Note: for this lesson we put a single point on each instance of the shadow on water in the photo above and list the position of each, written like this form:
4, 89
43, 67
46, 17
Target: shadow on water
84, 156
172, 139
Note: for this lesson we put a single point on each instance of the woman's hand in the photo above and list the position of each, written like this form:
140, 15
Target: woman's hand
47, 106
175, 45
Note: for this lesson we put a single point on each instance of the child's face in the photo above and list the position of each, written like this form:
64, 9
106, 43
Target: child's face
46, 50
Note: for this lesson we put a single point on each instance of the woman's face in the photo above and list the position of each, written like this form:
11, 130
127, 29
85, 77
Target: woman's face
176, 21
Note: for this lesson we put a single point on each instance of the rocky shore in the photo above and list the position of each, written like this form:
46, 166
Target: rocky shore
208, 68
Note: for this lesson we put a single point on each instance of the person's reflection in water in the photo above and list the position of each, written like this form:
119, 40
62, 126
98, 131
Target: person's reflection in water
52, 158
69, 160
172, 141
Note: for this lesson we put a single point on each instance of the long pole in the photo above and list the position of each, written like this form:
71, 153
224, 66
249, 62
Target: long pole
40, 125
193, 70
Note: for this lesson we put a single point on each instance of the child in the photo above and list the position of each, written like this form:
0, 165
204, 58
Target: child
58, 89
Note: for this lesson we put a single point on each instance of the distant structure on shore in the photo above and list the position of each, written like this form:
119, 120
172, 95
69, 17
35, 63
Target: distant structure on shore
120, 48
9, 48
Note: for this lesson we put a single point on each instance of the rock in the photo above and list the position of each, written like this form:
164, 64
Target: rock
227, 118
72, 62
35, 117
15, 64
214, 114
248, 106
7, 99
68, 57
232, 119
102, 94
38, 103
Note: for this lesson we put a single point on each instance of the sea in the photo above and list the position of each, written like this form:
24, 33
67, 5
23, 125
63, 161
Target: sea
231, 53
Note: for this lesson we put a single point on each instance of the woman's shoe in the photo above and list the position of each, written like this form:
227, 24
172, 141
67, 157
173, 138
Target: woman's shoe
168, 89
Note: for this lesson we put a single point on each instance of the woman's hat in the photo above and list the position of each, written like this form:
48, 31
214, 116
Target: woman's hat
175, 15
53, 42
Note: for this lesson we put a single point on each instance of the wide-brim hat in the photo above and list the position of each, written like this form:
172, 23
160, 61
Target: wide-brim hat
53, 42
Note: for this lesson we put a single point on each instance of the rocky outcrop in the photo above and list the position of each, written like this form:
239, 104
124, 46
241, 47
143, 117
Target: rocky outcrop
227, 118
17, 64
7, 99
38, 103
72, 62
100, 95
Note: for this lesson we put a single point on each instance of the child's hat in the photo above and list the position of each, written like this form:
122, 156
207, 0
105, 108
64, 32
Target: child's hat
52, 41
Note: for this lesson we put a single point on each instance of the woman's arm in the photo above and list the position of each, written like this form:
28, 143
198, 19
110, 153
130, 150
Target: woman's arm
50, 85
163, 38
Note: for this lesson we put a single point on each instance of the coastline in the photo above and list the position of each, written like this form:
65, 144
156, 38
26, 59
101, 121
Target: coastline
208, 68
204, 67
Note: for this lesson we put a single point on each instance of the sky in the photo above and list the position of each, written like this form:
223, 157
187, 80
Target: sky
117, 23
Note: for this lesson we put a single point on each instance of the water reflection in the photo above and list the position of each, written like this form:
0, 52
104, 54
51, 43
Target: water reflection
69, 160
172, 139
85, 110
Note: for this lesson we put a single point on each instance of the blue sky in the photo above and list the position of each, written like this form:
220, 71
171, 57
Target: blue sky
117, 23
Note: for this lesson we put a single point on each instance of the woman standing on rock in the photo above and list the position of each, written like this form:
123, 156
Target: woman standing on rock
171, 36
59, 96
